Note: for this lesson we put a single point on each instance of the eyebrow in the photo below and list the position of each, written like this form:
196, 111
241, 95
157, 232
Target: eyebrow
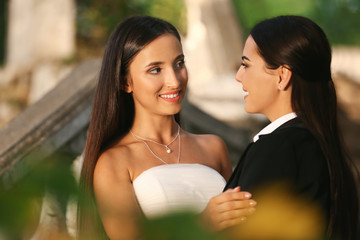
246, 58
153, 64
159, 63
181, 56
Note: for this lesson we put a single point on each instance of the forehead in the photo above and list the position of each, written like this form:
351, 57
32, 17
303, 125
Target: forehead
251, 50
163, 48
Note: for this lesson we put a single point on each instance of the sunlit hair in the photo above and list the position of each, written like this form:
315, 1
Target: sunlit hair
113, 108
302, 45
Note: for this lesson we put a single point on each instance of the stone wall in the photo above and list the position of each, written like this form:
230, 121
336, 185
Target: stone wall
39, 30
40, 43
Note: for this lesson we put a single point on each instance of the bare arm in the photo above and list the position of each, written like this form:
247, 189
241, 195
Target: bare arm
226, 166
116, 199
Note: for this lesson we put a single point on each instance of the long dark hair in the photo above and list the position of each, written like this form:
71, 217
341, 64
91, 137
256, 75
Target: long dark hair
302, 45
113, 108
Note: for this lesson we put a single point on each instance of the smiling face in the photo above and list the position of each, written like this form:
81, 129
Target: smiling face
259, 83
158, 77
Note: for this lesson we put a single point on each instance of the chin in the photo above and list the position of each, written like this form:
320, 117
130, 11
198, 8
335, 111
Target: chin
249, 110
175, 112
172, 111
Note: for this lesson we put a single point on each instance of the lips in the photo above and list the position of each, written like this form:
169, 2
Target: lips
246, 94
171, 96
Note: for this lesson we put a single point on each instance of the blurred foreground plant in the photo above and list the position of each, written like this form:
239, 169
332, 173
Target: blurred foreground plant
279, 214
282, 215
179, 226
21, 203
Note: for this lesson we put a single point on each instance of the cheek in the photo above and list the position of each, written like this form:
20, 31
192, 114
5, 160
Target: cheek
265, 93
258, 79
259, 86
183, 77
249, 79
146, 85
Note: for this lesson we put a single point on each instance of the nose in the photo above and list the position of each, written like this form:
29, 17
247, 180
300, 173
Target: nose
173, 79
238, 75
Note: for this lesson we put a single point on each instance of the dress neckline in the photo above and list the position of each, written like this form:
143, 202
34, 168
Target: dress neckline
173, 165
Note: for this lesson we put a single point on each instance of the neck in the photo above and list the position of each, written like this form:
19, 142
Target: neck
278, 114
282, 106
161, 129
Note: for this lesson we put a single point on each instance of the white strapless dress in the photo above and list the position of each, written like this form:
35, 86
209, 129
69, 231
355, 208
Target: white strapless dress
171, 188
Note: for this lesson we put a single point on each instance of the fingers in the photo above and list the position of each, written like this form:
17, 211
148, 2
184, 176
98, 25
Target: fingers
232, 218
229, 223
235, 214
231, 195
237, 189
235, 205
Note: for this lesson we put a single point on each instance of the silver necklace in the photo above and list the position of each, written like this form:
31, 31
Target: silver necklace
147, 145
168, 150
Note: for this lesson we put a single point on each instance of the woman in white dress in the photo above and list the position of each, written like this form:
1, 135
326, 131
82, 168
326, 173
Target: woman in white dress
138, 161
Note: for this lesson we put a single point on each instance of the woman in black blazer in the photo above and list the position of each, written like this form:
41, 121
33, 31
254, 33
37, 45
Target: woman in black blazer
286, 76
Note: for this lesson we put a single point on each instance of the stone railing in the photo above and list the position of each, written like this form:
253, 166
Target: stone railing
55, 125
57, 121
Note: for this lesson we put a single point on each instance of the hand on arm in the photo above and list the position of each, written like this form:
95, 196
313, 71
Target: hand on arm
228, 209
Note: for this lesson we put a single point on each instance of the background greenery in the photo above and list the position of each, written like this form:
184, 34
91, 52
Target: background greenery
340, 19
96, 19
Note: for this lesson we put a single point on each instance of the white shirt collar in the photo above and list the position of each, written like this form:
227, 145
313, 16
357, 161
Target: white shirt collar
275, 124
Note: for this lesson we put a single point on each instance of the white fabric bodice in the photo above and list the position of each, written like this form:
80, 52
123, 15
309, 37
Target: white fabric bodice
172, 188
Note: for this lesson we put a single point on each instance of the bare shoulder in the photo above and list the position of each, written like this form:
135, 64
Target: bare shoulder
215, 148
210, 142
112, 165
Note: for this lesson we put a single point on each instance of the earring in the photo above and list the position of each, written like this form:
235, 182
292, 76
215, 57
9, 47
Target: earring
279, 86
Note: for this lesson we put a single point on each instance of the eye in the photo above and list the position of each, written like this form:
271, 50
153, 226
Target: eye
155, 70
243, 65
180, 64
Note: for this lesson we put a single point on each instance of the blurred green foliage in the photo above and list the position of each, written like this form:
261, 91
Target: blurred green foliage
340, 19
96, 19
20, 203
173, 11
178, 226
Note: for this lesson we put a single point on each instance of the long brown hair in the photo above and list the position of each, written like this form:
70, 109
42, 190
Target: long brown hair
301, 44
113, 108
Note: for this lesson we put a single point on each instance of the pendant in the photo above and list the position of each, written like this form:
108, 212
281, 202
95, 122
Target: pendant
168, 150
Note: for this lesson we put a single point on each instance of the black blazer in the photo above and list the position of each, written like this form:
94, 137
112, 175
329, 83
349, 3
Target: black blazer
291, 154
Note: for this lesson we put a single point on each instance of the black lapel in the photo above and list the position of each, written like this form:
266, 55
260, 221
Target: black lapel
234, 179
